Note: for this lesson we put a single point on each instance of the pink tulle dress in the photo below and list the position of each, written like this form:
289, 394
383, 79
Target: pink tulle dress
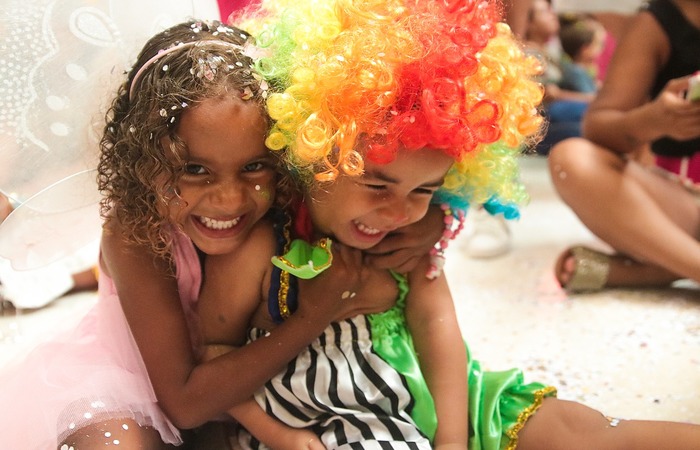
91, 373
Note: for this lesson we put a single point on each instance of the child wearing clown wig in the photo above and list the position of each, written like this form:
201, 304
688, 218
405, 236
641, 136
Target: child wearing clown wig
384, 108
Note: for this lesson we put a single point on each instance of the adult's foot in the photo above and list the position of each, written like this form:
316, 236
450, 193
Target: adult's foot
580, 269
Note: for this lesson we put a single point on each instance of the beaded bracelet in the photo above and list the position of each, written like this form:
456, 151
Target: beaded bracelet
437, 253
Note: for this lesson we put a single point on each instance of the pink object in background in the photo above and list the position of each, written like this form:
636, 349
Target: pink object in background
605, 55
227, 7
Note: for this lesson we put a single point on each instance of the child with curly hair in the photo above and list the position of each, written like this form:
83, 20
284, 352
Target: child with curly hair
185, 174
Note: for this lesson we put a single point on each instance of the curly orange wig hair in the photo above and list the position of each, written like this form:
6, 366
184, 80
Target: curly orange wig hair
367, 78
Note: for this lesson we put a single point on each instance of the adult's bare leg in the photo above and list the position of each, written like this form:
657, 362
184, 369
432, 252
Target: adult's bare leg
639, 213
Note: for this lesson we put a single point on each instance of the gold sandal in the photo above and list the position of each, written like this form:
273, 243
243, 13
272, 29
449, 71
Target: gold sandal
591, 269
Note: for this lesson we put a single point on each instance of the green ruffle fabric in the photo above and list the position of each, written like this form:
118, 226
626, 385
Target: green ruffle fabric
304, 260
499, 402
393, 342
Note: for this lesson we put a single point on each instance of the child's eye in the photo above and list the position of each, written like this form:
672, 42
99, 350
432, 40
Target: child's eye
195, 169
254, 167
375, 187
425, 191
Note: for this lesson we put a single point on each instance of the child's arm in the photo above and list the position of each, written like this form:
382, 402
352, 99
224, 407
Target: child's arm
432, 320
225, 315
273, 433
191, 394
235, 287
404, 248
266, 429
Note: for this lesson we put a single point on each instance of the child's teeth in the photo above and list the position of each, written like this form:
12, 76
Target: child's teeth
365, 229
218, 224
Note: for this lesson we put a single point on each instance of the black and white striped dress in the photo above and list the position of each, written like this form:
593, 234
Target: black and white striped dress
343, 391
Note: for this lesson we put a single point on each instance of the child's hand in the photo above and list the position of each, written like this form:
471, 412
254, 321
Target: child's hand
347, 288
278, 436
321, 298
403, 248
296, 439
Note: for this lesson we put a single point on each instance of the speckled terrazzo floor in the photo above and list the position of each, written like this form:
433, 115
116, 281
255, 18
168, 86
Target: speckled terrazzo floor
629, 353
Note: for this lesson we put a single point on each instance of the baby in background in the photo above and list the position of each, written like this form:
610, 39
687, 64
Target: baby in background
582, 39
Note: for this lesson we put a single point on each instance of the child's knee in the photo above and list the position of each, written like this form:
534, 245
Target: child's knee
122, 432
559, 424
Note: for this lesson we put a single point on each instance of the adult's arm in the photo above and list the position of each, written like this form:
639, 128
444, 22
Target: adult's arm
624, 117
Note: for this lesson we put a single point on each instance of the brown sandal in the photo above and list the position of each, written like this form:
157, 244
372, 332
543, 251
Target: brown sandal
591, 269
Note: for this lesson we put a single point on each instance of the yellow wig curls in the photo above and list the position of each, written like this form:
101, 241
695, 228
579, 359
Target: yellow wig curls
367, 78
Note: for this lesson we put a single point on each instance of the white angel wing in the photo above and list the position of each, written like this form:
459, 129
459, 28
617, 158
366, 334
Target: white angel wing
53, 224
60, 63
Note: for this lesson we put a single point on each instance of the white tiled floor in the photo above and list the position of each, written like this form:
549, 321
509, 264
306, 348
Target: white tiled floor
633, 354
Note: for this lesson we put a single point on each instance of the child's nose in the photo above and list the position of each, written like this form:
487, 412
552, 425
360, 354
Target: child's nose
229, 192
397, 212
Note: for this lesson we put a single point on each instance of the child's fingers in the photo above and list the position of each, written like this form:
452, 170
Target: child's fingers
401, 261
350, 258
396, 240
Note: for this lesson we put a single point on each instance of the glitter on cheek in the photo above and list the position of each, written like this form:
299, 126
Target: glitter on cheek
87, 415
115, 442
108, 434
125, 426
263, 192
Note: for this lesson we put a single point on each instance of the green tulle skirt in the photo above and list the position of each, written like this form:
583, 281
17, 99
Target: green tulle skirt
499, 402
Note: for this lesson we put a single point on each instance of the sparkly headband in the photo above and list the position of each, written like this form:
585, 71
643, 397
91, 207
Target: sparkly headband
179, 46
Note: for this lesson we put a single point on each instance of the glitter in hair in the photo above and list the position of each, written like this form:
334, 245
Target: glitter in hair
177, 69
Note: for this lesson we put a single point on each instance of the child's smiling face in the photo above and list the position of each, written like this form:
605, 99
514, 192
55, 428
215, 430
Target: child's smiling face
229, 178
360, 211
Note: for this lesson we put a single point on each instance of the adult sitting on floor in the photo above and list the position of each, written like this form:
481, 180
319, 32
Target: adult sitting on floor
649, 215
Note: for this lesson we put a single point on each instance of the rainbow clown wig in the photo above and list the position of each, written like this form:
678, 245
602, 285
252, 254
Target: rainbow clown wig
367, 78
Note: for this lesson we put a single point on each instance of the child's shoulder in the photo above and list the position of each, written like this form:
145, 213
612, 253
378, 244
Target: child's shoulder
255, 250
262, 234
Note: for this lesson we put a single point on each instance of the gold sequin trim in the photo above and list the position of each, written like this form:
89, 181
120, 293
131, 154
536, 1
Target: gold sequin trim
525, 414
284, 276
282, 294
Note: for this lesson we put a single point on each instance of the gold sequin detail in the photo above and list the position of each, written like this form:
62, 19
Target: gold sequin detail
525, 414
284, 275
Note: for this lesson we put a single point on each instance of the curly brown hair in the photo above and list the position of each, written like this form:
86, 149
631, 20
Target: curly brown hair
177, 69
